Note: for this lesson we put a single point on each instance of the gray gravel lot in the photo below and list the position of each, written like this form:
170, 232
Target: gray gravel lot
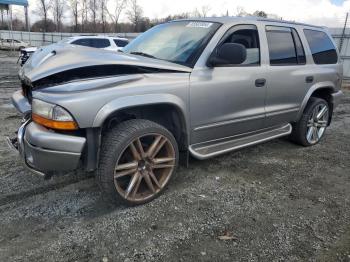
273, 202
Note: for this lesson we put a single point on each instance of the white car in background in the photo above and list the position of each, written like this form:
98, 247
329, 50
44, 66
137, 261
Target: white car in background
102, 42
12, 44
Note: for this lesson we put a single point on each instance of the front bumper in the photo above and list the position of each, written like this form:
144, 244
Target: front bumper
43, 151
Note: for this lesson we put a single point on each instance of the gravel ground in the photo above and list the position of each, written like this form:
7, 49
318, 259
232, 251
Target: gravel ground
272, 202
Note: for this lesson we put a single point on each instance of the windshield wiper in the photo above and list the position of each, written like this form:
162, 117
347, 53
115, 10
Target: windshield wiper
143, 54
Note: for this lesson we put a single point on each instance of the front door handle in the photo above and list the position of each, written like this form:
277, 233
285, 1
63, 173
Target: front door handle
260, 82
309, 79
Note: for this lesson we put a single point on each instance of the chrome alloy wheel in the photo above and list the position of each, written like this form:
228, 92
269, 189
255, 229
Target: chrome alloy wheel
317, 123
144, 168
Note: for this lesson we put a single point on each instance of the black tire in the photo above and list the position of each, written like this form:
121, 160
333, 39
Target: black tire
299, 133
114, 143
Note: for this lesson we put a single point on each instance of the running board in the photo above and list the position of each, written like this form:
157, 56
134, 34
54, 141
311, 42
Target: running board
221, 146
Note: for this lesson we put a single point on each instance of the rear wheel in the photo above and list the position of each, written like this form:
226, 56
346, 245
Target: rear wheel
313, 123
138, 159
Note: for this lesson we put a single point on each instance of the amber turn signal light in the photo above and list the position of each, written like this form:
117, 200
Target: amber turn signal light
60, 125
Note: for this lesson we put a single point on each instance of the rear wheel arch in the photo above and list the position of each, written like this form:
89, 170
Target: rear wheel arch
323, 92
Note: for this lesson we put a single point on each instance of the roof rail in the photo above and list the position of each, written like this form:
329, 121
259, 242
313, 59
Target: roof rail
287, 22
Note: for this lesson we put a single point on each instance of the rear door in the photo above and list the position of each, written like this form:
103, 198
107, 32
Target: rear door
289, 77
100, 43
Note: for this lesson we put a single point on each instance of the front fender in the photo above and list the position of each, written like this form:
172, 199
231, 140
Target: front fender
140, 100
317, 86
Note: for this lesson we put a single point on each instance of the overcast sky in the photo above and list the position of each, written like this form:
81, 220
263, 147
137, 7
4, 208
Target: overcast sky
330, 13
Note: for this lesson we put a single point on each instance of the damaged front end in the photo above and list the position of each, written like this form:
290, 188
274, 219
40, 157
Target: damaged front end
62, 91
16, 143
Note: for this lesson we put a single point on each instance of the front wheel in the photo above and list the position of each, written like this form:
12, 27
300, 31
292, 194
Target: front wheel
311, 127
138, 158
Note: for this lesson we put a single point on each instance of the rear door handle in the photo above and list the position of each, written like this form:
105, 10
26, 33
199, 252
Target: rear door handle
260, 82
309, 79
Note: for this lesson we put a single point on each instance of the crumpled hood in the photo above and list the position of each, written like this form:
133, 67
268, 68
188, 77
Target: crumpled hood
60, 57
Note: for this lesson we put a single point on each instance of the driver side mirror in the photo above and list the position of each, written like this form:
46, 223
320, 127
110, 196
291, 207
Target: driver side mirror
227, 54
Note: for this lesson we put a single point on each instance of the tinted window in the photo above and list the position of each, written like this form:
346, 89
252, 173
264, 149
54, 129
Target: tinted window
120, 43
82, 42
322, 48
100, 42
248, 37
299, 48
281, 46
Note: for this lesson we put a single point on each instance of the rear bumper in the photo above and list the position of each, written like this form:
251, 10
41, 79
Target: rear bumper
336, 98
43, 150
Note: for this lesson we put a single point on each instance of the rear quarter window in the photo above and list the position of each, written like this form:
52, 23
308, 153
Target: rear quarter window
321, 46
120, 43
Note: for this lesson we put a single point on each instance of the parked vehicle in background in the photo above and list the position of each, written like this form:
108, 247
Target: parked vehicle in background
12, 44
188, 87
25, 53
102, 42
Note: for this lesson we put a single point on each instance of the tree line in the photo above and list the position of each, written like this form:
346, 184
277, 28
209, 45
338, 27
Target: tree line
102, 16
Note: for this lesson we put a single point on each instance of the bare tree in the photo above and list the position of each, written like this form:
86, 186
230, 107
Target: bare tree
202, 12
74, 7
83, 13
205, 9
240, 11
103, 12
134, 13
119, 7
59, 7
260, 14
93, 5
42, 9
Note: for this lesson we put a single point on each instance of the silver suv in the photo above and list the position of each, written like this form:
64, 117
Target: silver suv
189, 87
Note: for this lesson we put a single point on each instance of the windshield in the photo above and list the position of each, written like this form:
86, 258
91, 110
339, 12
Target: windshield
177, 42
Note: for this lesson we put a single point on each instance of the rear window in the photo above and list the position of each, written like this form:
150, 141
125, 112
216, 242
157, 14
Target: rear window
322, 48
120, 43
285, 47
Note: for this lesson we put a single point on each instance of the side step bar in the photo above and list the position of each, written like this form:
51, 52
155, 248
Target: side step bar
221, 146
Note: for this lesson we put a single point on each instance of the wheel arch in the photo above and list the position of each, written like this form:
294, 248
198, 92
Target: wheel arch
322, 90
165, 109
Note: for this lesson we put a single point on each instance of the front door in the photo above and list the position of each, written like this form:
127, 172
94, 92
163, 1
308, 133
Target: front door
229, 100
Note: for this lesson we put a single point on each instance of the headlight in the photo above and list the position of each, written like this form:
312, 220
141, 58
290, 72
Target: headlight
52, 116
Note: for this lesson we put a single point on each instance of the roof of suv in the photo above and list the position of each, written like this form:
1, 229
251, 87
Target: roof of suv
232, 19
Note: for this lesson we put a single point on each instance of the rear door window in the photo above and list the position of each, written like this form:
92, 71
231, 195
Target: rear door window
322, 48
82, 42
100, 42
285, 47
